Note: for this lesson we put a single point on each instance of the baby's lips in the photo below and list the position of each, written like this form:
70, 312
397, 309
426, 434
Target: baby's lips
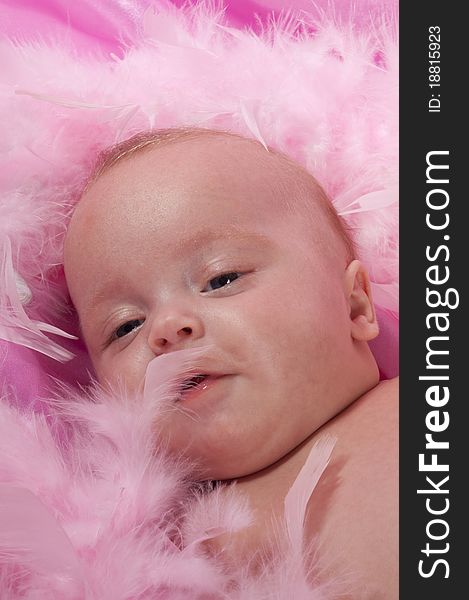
166, 372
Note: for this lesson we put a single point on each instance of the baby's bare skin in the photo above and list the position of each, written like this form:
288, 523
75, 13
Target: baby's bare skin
356, 497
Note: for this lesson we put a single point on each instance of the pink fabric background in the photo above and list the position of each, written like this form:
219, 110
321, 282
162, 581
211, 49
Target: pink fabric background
103, 25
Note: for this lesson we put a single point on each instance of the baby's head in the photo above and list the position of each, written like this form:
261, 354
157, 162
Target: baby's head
191, 239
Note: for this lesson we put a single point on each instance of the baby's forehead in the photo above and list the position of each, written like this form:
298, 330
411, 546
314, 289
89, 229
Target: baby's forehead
213, 172
209, 170
202, 157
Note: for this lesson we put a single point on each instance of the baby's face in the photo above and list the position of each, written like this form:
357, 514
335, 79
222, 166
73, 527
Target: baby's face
185, 246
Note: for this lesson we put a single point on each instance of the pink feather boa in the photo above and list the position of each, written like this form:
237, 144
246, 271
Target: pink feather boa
90, 507
322, 90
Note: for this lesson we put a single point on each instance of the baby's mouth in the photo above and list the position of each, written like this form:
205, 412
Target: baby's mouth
191, 383
198, 386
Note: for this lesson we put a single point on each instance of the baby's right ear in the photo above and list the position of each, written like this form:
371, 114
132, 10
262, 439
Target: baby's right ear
357, 287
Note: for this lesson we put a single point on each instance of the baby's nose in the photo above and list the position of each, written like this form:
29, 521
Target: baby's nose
172, 331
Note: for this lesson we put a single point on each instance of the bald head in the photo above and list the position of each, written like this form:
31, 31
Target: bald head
294, 189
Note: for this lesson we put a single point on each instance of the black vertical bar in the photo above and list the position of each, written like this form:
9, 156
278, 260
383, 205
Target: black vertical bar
434, 260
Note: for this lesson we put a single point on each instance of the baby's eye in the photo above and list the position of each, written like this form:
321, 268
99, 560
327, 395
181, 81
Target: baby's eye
221, 280
127, 328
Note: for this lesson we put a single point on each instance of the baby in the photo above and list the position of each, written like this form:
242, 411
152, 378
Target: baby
195, 238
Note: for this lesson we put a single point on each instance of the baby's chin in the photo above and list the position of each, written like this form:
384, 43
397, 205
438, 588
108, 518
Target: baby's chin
226, 464
217, 472
204, 467
215, 459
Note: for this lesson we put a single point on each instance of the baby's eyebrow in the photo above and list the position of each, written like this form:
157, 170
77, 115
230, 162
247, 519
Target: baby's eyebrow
230, 232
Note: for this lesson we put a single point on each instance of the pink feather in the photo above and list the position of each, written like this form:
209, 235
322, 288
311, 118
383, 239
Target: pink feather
297, 498
15, 325
29, 534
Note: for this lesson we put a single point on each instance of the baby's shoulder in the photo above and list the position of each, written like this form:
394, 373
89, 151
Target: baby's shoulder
354, 510
388, 388
376, 410
386, 391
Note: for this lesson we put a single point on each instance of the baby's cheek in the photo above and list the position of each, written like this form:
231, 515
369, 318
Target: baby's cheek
125, 367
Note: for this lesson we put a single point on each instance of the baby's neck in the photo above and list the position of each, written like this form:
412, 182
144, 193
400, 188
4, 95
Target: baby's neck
282, 471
